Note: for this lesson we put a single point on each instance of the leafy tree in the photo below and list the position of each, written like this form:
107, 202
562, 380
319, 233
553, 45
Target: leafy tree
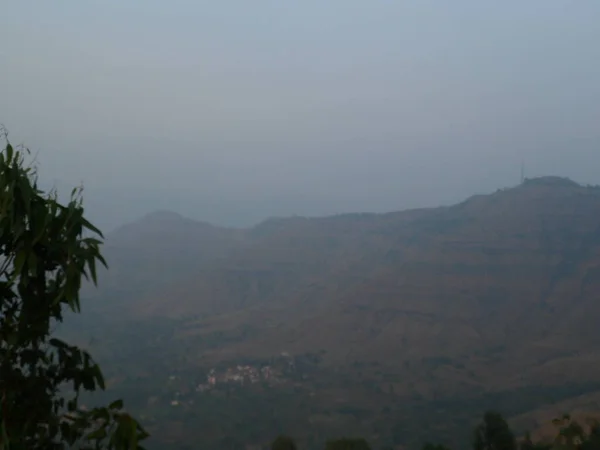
592, 441
527, 444
283, 443
494, 434
347, 444
45, 250
570, 433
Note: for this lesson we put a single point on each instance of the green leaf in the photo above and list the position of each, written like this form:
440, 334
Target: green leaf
72, 405
98, 434
99, 377
91, 227
18, 264
9, 153
92, 266
58, 343
117, 404
133, 436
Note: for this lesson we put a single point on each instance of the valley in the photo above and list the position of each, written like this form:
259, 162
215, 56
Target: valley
394, 327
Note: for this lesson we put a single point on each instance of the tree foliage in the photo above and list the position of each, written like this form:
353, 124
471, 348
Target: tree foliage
283, 443
573, 436
46, 250
527, 444
493, 433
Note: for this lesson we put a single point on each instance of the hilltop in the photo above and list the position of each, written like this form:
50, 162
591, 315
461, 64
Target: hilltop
430, 311
159, 248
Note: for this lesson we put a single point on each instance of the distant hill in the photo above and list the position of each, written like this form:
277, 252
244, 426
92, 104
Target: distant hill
492, 271
160, 247
494, 299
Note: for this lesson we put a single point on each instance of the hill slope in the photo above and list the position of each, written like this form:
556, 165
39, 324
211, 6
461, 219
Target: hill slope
517, 267
158, 248
491, 300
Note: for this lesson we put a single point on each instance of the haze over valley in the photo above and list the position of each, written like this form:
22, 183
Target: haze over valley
333, 219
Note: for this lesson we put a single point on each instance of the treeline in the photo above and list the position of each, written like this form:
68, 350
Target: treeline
493, 433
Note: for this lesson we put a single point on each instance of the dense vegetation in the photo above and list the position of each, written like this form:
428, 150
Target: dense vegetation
494, 433
312, 403
45, 250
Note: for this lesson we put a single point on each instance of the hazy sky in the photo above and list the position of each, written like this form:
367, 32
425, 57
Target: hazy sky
235, 110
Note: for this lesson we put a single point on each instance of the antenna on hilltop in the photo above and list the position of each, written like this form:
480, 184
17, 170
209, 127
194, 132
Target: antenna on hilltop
522, 172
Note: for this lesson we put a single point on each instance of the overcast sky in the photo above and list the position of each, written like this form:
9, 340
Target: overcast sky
231, 111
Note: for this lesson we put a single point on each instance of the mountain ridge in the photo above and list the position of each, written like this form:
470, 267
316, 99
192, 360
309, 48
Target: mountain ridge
491, 302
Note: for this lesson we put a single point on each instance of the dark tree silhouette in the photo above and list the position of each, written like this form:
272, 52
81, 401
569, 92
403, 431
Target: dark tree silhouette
46, 248
283, 443
494, 434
